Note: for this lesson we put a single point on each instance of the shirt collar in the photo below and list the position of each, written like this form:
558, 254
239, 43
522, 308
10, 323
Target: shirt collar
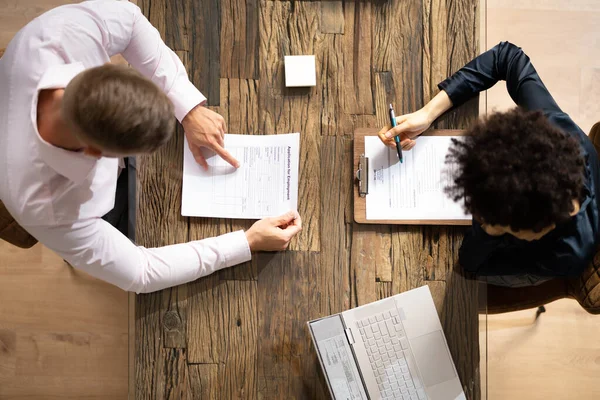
75, 166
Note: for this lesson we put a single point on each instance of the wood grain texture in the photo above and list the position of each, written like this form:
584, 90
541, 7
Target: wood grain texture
239, 39
358, 55
149, 355
330, 60
336, 191
174, 317
205, 49
245, 333
397, 49
363, 259
176, 371
204, 380
332, 17
237, 371
205, 325
288, 295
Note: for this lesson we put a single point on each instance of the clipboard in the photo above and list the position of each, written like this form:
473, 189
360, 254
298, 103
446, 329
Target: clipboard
361, 183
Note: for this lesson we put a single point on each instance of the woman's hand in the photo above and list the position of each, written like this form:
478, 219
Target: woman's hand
408, 126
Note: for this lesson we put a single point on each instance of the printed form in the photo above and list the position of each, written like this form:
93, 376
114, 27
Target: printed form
413, 190
265, 184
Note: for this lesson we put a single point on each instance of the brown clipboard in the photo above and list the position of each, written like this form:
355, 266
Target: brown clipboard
360, 168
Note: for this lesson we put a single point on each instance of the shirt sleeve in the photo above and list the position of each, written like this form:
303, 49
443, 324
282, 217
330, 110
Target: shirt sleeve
119, 27
505, 62
96, 247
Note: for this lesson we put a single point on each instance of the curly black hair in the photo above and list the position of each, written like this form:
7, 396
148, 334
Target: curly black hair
516, 169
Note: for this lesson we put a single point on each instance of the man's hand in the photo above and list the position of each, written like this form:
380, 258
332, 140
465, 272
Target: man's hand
274, 234
408, 126
206, 128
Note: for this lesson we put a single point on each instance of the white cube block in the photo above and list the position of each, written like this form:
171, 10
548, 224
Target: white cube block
300, 71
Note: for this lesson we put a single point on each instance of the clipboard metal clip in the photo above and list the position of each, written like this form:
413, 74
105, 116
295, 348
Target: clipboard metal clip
363, 176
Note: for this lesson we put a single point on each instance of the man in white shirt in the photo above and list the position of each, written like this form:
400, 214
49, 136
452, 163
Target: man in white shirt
65, 117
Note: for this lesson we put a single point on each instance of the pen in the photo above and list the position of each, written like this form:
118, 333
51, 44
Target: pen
396, 138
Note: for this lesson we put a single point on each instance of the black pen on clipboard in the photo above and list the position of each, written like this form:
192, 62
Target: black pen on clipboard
397, 137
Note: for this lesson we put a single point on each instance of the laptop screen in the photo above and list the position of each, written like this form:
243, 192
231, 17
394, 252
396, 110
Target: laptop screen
337, 359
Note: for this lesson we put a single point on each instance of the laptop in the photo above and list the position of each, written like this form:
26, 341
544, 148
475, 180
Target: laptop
394, 348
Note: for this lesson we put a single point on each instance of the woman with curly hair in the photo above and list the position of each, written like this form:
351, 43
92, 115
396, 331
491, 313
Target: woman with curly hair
529, 176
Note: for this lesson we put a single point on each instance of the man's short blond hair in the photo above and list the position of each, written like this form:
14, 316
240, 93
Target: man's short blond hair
115, 109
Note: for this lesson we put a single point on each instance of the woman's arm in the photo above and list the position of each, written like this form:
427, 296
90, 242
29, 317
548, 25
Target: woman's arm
505, 62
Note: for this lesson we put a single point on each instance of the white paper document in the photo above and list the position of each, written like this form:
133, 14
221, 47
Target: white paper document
265, 184
413, 190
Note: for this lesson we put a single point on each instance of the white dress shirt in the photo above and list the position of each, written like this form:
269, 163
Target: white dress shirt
59, 196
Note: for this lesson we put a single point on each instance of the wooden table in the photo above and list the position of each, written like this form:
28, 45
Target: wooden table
241, 333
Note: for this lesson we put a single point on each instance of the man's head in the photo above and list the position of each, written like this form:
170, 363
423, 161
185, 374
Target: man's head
517, 174
113, 110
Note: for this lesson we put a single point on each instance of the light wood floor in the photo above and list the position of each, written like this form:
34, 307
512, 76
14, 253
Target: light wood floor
559, 356
62, 333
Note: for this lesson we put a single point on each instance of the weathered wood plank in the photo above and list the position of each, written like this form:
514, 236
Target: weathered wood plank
239, 39
205, 49
384, 290
177, 24
336, 191
242, 99
287, 297
438, 292
274, 324
174, 317
397, 39
364, 288
463, 45
204, 322
358, 55
443, 243
332, 17
292, 28
304, 365
238, 304
385, 94
330, 79
407, 258
435, 60
149, 355
176, 373
204, 381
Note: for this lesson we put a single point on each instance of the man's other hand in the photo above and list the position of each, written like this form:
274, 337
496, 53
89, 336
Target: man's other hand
275, 233
206, 128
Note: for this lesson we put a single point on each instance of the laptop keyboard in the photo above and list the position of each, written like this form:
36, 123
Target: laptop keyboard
389, 354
